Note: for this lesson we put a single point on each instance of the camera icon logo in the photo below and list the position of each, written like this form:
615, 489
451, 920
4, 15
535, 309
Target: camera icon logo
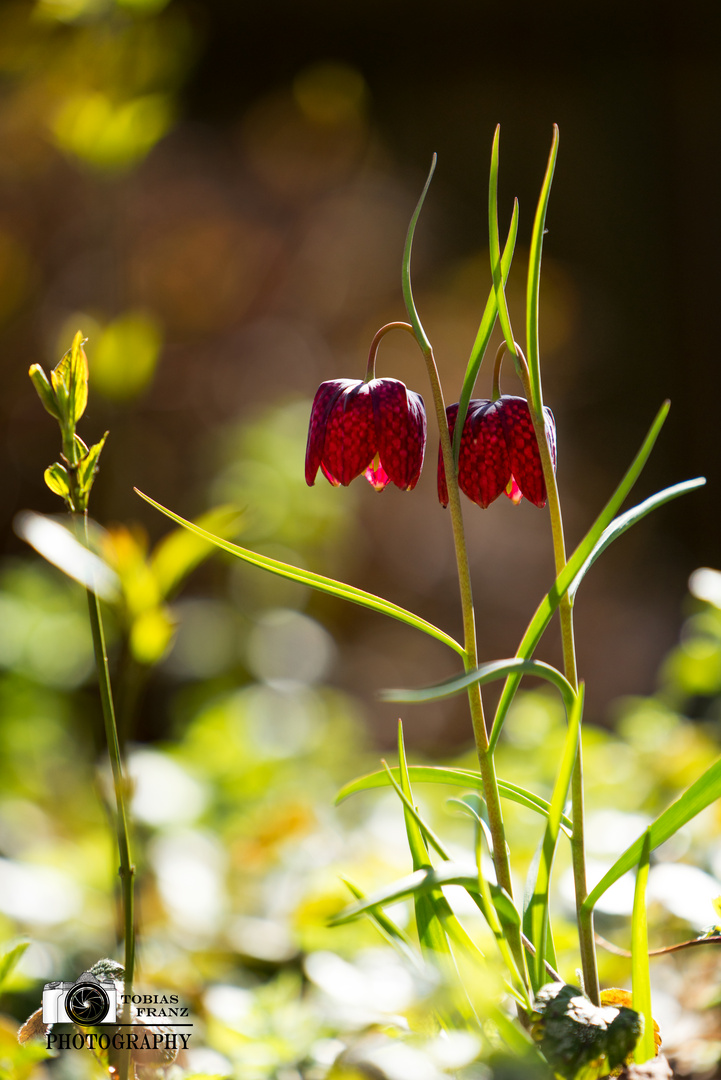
87, 1002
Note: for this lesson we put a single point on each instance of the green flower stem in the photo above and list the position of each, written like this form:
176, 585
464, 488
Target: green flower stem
565, 611
470, 655
127, 870
485, 755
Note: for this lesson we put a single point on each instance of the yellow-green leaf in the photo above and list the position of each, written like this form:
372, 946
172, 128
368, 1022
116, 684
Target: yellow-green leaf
58, 480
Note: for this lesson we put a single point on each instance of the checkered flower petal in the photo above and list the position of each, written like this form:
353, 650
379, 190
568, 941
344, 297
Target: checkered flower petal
499, 452
400, 419
376, 428
523, 449
484, 469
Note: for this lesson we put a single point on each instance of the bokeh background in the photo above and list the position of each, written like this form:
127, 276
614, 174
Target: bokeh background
217, 195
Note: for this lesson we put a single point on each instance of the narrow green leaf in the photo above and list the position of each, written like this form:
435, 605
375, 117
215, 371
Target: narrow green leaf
425, 880
406, 266
621, 524
552, 599
427, 832
701, 794
10, 959
519, 1043
393, 934
69, 380
538, 910
80, 447
78, 378
483, 336
495, 247
472, 804
534, 278
640, 970
416, 843
57, 479
180, 552
498, 669
466, 778
459, 935
314, 581
431, 934
44, 390
89, 465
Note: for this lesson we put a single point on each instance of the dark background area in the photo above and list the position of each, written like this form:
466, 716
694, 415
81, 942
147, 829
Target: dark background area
236, 226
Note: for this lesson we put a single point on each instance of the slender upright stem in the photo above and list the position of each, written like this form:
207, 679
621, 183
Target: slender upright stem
565, 610
127, 869
485, 756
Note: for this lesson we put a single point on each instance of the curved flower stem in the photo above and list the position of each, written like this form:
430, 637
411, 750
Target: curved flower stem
565, 610
373, 351
485, 755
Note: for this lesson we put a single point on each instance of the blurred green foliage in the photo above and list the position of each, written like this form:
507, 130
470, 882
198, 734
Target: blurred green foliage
240, 856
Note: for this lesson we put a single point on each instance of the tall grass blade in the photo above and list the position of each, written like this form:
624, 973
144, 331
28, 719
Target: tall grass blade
431, 935
485, 899
406, 266
465, 778
427, 832
483, 336
392, 933
565, 579
314, 581
427, 880
495, 247
623, 523
497, 669
640, 970
701, 794
534, 278
538, 909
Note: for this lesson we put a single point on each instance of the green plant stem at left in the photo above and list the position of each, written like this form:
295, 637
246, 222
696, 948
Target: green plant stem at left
127, 869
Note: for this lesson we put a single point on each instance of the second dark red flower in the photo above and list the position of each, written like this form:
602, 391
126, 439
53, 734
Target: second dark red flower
499, 452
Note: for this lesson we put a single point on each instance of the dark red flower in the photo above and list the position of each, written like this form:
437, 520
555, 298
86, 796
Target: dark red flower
499, 452
377, 428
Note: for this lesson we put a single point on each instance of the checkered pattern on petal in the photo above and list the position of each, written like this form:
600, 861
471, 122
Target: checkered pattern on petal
484, 467
323, 401
523, 448
400, 421
350, 436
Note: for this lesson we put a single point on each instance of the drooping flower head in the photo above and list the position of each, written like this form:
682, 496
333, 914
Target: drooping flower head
377, 428
499, 452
